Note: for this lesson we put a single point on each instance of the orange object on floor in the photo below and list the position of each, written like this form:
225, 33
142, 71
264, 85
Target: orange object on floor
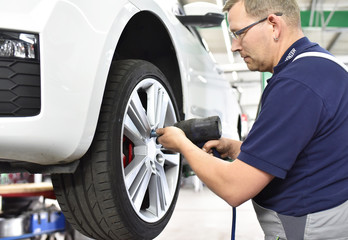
44, 189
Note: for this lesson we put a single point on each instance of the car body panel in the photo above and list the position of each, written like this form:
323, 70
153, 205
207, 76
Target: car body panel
77, 44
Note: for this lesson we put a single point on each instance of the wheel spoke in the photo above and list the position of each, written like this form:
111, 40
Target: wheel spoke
154, 196
138, 116
131, 131
158, 103
152, 96
159, 192
162, 106
172, 159
139, 186
134, 170
163, 186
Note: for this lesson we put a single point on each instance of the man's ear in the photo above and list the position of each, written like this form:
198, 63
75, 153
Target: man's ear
275, 21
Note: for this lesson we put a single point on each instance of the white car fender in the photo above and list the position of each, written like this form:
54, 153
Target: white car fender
68, 35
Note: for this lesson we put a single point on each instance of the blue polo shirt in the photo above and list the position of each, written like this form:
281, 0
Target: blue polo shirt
301, 134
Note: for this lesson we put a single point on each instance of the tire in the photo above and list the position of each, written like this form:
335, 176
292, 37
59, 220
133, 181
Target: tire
126, 185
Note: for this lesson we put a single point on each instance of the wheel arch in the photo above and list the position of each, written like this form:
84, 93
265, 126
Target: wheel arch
146, 37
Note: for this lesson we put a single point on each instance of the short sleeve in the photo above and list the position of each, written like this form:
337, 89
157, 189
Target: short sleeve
288, 119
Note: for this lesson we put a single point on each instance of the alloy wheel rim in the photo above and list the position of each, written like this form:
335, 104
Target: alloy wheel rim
150, 172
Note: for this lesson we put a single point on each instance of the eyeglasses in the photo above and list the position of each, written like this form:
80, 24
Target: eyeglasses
236, 35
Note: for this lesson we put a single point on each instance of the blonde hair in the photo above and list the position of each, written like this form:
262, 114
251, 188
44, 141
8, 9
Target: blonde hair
262, 8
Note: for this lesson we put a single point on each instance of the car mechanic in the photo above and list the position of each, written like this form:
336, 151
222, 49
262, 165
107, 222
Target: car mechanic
294, 162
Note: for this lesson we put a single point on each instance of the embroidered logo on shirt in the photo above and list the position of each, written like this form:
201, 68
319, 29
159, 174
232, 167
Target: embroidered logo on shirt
291, 54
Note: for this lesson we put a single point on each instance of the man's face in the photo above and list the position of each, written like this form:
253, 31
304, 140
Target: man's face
252, 45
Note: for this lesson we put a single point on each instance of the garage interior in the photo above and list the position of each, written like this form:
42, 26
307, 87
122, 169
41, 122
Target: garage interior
199, 214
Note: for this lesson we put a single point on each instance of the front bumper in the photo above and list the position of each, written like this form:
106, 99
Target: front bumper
20, 94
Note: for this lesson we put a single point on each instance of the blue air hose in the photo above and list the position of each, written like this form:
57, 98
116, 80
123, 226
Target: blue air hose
234, 220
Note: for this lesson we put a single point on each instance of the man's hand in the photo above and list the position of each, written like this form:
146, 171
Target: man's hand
225, 146
171, 138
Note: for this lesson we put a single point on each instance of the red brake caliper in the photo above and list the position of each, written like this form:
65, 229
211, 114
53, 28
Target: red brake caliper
128, 146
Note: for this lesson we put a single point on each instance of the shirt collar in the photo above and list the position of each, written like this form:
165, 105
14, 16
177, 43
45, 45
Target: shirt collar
296, 48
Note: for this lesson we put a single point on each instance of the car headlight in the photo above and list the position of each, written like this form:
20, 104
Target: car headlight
19, 45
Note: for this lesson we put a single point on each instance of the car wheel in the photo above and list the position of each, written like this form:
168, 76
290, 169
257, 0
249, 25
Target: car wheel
126, 185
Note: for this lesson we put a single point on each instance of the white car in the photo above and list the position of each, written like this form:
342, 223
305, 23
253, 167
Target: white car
83, 83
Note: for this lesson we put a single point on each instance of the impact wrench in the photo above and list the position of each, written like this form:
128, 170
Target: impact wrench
199, 131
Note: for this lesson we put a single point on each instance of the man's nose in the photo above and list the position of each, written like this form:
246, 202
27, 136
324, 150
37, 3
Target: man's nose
236, 45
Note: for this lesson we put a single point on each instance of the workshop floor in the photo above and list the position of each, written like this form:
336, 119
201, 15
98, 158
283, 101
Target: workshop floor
200, 215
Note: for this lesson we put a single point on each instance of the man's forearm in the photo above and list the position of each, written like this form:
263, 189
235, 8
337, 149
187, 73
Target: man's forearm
214, 172
235, 182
